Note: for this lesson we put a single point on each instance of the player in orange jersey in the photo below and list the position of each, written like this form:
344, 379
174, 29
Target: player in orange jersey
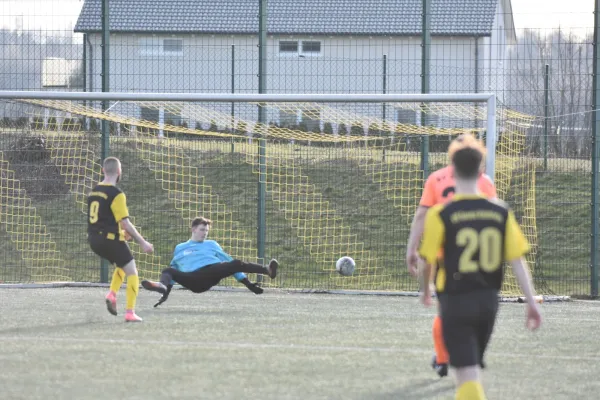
439, 189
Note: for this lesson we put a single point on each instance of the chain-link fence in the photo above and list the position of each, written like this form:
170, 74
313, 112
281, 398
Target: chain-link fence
537, 62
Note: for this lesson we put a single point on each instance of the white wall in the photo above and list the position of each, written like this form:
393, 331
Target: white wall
345, 65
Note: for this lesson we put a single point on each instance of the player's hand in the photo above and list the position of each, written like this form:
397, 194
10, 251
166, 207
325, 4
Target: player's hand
425, 298
412, 259
147, 247
534, 318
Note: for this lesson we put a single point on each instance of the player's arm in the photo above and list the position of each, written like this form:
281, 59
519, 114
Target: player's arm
121, 213
515, 248
433, 239
416, 229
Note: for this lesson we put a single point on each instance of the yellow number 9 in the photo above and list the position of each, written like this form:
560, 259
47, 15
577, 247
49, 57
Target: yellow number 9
94, 207
489, 244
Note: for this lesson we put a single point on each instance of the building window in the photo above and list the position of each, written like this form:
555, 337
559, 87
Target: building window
173, 46
172, 119
288, 47
406, 116
311, 47
149, 114
153, 46
287, 119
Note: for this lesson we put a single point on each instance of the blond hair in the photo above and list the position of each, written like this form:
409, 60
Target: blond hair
466, 140
111, 166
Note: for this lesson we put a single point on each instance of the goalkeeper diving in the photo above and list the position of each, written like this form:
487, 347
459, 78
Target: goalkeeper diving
200, 264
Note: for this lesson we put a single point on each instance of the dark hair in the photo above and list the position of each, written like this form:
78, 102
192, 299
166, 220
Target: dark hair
201, 221
467, 162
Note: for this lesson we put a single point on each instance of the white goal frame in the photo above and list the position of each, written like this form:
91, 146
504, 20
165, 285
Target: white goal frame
488, 98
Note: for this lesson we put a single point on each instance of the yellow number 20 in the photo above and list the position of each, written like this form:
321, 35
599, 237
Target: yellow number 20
489, 244
94, 207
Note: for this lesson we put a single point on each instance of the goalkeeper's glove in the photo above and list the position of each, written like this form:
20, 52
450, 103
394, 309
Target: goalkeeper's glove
253, 287
164, 296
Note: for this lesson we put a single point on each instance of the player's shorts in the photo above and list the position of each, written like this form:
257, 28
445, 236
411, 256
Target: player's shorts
467, 323
115, 251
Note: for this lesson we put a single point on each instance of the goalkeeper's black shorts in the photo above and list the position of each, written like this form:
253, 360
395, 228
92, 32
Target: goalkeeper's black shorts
467, 323
116, 252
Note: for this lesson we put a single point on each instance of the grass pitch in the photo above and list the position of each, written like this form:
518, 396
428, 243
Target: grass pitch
63, 344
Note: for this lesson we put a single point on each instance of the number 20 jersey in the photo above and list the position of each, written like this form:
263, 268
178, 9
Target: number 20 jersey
477, 236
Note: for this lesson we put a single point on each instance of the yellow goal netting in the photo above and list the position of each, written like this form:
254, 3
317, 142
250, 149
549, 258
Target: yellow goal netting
340, 180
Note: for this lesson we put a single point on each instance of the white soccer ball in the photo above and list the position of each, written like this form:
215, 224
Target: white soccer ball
345, 266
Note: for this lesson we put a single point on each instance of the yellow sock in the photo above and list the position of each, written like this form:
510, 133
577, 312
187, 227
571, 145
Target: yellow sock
117, 280
133, 283
471, 390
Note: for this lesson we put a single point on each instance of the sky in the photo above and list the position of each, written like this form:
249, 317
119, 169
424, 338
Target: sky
61, 15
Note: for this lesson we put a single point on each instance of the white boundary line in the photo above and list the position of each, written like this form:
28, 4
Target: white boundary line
265, 346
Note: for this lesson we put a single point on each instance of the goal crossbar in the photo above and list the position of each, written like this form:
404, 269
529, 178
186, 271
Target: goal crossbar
488, 98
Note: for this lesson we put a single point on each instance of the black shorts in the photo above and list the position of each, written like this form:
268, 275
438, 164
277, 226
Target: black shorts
115, 251
467, 322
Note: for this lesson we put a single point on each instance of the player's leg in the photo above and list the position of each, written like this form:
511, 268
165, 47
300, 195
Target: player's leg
204, 278
460, 330
487, 321
468, 384
124, 260
223, 270
133, 283
104, 248
188, 280
441, 357
115, 284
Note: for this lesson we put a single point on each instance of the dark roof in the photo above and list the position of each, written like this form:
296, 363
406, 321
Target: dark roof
314, 17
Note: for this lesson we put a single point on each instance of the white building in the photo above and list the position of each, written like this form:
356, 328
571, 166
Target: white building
314, 46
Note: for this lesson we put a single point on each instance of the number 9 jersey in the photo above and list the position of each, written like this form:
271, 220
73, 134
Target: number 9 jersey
477, 236
107, 206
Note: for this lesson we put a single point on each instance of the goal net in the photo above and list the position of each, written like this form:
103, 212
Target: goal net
305, 180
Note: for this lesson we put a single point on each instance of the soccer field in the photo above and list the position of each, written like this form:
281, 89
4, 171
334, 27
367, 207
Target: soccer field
62, 344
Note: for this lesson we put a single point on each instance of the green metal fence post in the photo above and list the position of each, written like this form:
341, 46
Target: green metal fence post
105, 74
546, 110
383, 106
425, 58
595, 153
262, 150
232, 91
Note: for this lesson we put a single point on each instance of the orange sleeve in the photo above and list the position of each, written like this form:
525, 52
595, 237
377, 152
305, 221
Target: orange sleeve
488, 188
428, 197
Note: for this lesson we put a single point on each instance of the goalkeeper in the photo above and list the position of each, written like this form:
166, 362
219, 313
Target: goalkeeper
200, 264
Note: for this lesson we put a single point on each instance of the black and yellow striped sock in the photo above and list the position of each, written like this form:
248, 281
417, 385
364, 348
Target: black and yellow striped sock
117, 280
471, 390
133, 284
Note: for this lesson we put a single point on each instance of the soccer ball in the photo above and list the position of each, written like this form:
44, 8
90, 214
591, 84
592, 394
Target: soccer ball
345, 266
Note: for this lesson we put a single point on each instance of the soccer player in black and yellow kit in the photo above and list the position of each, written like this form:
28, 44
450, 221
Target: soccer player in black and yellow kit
108, 225
476, 236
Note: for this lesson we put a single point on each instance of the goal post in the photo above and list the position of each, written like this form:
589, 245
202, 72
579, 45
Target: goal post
488, 98
341, 177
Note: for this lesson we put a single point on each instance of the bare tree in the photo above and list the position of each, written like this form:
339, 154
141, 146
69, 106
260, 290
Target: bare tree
570, 62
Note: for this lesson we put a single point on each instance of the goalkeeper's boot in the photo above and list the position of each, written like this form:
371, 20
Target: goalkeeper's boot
111, 303
440, 369
272, 268
130, 316
154, 286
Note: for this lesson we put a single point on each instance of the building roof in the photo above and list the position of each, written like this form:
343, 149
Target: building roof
307, 17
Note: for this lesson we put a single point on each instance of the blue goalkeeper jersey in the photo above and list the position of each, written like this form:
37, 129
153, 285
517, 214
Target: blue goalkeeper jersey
190, 256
